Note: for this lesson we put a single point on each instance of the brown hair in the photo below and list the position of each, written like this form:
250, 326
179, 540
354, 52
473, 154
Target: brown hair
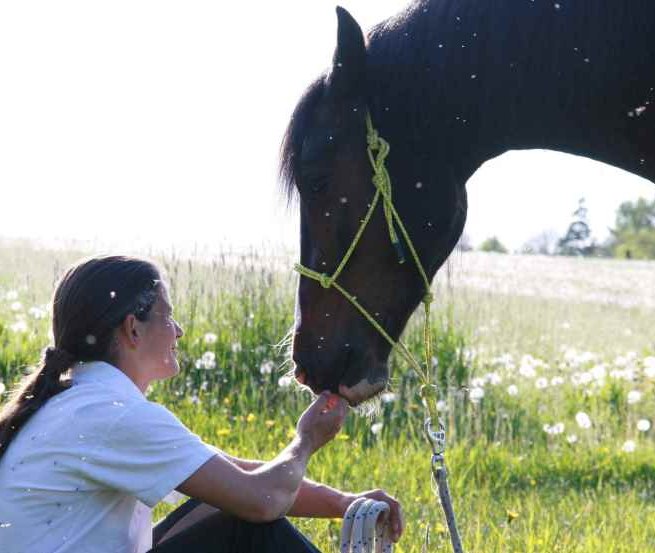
90, 301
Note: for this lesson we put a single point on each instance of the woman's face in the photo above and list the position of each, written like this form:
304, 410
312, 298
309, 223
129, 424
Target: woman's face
160, 333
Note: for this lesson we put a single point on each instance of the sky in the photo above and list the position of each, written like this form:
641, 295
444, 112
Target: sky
143, 124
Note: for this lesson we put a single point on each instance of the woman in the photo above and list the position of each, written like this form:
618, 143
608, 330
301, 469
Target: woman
84, 456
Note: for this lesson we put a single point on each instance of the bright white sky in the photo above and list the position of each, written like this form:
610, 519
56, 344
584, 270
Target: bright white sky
159, 122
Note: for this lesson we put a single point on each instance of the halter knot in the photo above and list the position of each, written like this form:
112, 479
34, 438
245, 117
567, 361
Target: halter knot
373, 139
325, 280
428, 298
378, 180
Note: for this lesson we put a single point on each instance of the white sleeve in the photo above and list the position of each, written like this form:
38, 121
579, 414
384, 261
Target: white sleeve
147, 453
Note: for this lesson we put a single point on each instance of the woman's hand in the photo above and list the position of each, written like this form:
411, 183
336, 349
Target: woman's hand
322, 420
396, 520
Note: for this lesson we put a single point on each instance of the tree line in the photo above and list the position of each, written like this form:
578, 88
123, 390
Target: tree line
633, 236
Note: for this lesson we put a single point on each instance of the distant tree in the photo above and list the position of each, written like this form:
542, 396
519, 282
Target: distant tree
493, 245
634, 234
464, 244
544, 243
577, 240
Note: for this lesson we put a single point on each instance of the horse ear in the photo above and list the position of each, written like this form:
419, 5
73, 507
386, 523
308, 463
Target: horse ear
348, 71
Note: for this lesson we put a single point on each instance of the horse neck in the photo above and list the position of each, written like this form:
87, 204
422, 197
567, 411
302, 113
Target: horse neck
460, 82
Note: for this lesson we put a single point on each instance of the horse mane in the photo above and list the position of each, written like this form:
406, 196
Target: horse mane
294, 136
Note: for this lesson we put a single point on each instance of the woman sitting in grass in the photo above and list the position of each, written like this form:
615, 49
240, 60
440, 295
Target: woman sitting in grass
84, 456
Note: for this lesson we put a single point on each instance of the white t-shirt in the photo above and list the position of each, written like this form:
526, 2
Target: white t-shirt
84, 472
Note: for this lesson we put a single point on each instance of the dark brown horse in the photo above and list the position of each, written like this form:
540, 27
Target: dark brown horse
449, 84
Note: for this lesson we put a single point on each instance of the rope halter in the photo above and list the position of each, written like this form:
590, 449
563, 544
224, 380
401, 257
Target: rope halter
377, 150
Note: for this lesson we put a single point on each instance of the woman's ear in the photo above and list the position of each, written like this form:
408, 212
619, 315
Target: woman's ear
129, 331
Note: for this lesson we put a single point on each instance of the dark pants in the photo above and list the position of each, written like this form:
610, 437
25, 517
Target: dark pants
223, 533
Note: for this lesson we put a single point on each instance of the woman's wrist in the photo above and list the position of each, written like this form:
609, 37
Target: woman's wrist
344, 502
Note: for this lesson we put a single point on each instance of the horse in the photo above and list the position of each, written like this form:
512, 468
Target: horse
449, 84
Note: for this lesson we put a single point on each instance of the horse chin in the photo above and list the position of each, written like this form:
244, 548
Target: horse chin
361, 392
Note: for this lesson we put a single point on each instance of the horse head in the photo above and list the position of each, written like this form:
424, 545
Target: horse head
325, 159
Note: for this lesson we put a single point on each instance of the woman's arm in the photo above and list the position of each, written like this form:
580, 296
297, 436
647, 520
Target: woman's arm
261, 495
314, 500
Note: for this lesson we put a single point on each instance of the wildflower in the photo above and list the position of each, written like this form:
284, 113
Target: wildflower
493, 378
251, 417
266, 367
19, 326
226, 400
555, 429
629, 446
388, 397
583, 420
16, 306
512, 390
284, 381
556, 381
643, 425
571, 438
269, 423
376, 428
36, 313
223, 432
2, 387
291, 433
442, 406
634, 396
207, 361
236, 347
541, 383
511, 515
527, 370
476, 394
649, 367
210, 338
11, 295
477, 383
343, 437
598, 372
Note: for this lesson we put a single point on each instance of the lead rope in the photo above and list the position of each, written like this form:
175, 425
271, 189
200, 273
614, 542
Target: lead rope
365, 528
437, 439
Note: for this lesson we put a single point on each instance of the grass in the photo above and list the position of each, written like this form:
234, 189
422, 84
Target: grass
524, 345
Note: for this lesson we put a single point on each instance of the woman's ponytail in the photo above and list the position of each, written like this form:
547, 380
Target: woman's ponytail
90, 302
33, 391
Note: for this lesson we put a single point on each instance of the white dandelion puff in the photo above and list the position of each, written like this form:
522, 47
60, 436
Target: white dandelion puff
210, 338
643, 425
634, 396
583, 420
629, 446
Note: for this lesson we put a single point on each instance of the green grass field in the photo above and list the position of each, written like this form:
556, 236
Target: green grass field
546, 366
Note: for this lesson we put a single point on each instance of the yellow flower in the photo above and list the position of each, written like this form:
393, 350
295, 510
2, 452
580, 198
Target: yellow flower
291, 433
440, 528
343, 437
226, 401
251, 417
269, 423
511, 515
222, 431
533, 482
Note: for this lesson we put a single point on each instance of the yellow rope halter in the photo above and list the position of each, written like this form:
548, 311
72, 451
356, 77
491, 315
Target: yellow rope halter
378, 150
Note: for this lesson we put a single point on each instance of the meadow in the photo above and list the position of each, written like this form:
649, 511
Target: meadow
546, 368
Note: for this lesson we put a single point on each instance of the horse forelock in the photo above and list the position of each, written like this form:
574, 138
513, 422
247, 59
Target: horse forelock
294, 136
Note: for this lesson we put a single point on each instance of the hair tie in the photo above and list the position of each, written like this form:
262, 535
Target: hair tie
56, 360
